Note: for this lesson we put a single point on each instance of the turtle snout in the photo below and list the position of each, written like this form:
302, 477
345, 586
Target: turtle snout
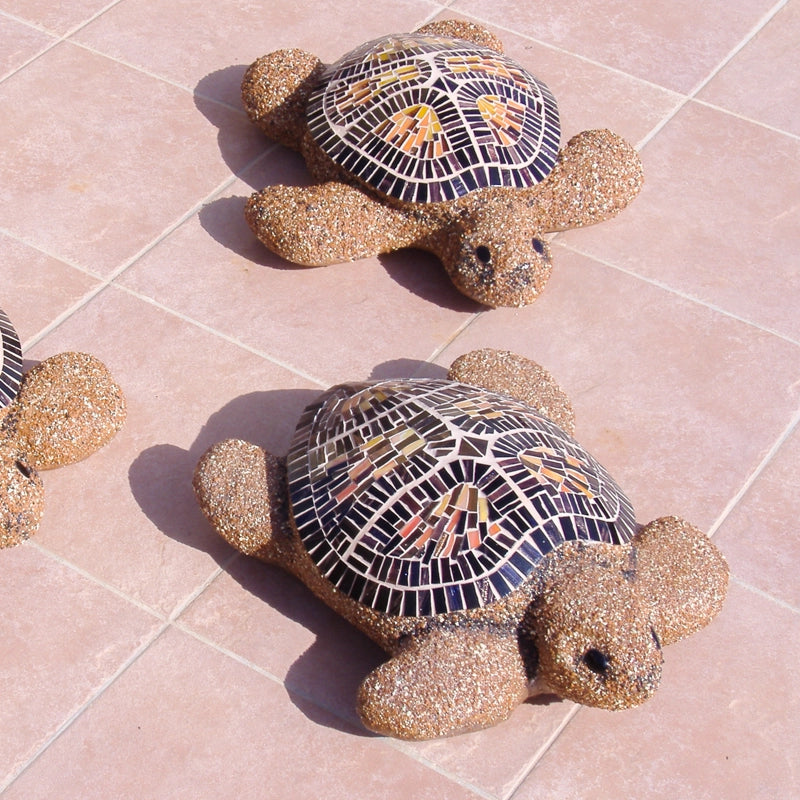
503, 273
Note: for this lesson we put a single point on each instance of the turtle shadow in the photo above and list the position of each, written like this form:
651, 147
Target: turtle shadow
260, 162
322, 682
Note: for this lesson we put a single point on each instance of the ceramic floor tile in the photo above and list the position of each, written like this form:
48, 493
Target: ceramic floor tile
37, 288
19, 43
58, 18
723, 723
121, 157
679, 403
187, 721
270, 619
63, 638
675, 45
759, 537
369, 310
163, 38
128, 514
716, 218
674, 328
761, 81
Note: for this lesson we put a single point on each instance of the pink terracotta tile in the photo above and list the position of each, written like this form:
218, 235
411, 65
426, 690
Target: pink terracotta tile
63, 638
58, 18
208, 46
679, 402
335, 323
761, 81
121, 157
38, 288
759, 537
716, 219
187, 721
128, 514
270, 619
723, 723
675, 45
497, 759
19, 43
588, 94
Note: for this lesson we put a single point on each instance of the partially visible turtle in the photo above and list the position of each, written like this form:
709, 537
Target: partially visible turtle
432, 140
57, 413
458, 526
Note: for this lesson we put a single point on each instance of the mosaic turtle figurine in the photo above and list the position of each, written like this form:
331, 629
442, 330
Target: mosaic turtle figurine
434, 140
59, 412
458, 524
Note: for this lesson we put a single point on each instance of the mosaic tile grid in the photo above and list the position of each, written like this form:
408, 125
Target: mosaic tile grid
427, 119
424, 497
10, 361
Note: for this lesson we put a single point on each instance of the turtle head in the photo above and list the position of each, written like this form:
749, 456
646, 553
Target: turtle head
495, 254
605, 611
592, 631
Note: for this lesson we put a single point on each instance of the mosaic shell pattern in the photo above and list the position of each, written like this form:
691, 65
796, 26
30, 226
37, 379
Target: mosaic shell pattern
420, 497
10, 361
428, 118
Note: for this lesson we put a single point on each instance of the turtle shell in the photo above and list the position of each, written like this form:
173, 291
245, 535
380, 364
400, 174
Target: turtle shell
430, 118
10, 361
420, 497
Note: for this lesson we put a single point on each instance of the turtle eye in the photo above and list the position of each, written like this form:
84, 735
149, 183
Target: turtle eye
23, 468
538, 246
483, 254
596, 661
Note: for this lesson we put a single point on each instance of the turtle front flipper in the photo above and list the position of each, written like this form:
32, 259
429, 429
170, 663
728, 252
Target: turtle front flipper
463, 29
517, 376
682, 574
326, 224
596, 176
445, 681
241, 490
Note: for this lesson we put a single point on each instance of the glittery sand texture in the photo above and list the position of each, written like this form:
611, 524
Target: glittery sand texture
472, 538
67, 407
434, 140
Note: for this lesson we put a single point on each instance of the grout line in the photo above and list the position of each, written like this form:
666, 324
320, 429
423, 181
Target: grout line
692, 94
105, 281
683, 295
751, 479
225, 337
744, 118
748, 37
542, 751
95, 579
75, 715
765, 595
437, 351
406, 748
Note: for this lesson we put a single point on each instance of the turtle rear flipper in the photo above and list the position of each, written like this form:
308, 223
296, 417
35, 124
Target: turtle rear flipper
519, 377
241, 490
445, 682
275, 91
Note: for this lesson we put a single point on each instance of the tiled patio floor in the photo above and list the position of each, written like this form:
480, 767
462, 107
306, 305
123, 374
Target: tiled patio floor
139, 657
